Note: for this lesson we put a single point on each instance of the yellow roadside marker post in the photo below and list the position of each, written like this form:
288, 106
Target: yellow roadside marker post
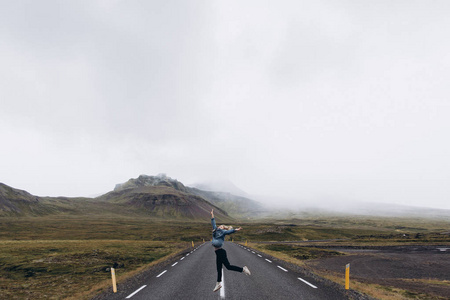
192, 244
203, 240
246, 243
113, 275
347, 276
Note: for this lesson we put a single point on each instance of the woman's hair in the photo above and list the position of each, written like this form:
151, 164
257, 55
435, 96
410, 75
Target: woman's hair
226, 227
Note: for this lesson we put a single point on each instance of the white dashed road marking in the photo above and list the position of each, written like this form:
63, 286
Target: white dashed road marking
162, 273
268, 260
311, 285
135, 292
222, 290
174, 264
282, 268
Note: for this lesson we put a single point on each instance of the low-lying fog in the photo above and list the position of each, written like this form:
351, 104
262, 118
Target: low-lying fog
343, 207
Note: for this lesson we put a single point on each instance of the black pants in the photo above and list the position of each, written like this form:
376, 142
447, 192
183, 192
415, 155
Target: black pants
221, 258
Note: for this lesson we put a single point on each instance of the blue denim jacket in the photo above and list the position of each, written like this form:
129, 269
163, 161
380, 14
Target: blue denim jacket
218, 236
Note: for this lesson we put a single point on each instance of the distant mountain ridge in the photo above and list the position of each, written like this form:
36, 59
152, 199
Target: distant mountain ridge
15, 200
162, 197
159, 197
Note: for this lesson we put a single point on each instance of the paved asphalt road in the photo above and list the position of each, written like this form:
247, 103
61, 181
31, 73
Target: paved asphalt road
194, 276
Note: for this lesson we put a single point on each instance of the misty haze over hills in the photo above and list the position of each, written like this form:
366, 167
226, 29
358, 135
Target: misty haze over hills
220, 186
163, 197
291, 208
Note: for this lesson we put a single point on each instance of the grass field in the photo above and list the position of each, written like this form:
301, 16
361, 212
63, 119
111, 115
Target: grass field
59, 258
58, 269
44, 258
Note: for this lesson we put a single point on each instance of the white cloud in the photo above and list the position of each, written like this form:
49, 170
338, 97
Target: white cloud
300, 99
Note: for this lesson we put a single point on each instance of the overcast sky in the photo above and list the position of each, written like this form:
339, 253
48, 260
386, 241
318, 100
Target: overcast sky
303, 100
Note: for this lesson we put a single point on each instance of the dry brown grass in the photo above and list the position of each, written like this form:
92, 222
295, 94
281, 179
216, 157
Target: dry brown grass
374, 290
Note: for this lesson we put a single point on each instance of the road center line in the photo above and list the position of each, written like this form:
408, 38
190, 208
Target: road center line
282, 268
135, 292
222, 290
174, 264
311, 285
162, 273
268, 260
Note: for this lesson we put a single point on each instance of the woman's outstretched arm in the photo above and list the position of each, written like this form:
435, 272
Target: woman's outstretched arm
213, 221
231, 230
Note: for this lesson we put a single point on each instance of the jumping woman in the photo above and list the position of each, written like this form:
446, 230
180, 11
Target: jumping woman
218, 238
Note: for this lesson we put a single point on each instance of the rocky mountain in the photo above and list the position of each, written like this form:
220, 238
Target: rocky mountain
151, 181
158, 197
161, 196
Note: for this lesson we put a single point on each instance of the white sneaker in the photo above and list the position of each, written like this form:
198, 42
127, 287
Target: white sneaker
218, 287
246, 270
